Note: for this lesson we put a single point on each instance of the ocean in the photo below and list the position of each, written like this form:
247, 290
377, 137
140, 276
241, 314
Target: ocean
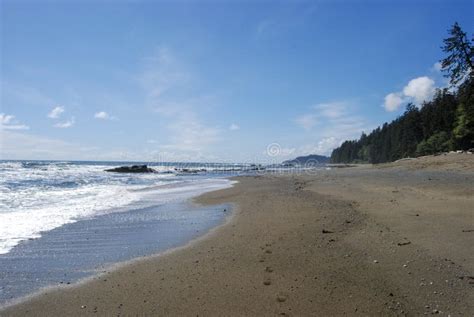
63, 221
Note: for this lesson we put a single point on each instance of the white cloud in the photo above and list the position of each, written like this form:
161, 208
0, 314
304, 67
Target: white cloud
306, 121
5, 118
56, 112
336, 115
326, 145
420, 89
17, 145
322, 147
393, 101
163, 72
66, 124
437, 66
151, 141
234, 127
329, 124
166, 83
8, 122
332, 110
102, 115
190, 135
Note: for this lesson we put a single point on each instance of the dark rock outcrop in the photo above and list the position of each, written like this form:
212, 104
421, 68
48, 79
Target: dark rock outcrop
132, 169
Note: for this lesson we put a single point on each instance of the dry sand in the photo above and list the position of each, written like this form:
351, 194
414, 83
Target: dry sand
386, 240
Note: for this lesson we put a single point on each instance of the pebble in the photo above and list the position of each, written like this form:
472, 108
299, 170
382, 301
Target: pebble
281, 298
375, 261
267, 282
83, 306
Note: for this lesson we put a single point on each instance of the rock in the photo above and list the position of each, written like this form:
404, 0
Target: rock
268, 269
132, 169
281, 298
403, 243
327, 231
267, 282
375, 261
83, 306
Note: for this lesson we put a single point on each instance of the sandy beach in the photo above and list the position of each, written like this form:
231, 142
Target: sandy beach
394, 239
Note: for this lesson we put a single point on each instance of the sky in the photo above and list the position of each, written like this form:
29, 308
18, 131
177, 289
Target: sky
212, 81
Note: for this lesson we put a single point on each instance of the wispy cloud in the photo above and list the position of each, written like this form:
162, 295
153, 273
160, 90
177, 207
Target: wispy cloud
307, 121
20, 145
66, 124
437, 67
166, 82
330, 123
234, 127
337, 114
296, 16
323, 147
8, 122
190, 135
25, 94
162, 73
17, 145
102, 115
56, 112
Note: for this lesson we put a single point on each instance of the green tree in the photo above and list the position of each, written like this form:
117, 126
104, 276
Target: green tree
442, 124
459, 63
463, 132
436, 143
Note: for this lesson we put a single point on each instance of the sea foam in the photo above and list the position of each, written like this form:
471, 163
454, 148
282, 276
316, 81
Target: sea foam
40, 196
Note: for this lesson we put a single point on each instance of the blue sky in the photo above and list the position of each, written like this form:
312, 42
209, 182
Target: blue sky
212, 80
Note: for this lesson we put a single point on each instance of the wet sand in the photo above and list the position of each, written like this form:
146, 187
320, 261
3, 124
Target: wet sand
395, 239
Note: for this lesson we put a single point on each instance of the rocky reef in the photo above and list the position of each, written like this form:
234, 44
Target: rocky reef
132, 169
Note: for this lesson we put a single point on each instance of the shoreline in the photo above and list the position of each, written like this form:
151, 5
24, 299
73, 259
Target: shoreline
111, 267
119, 265
103, 268
339, 242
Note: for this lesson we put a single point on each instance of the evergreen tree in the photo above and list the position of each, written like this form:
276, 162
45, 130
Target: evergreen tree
459, 63
442, 124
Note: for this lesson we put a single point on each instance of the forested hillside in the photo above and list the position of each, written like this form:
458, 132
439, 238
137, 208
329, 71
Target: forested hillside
442, 124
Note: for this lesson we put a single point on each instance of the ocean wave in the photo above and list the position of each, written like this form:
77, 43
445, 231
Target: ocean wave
38, 196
